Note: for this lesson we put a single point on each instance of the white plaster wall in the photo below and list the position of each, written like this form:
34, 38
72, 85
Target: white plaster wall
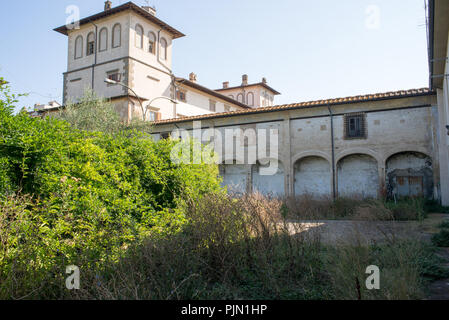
144, 54
307, 133
234, 178
313, 177
75, 90
110, 53
151, 83
271, 185
311, 134
188, 110
443, 113
406, 161
358, 176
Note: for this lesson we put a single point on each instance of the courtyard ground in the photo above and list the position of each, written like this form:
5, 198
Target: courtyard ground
372, 232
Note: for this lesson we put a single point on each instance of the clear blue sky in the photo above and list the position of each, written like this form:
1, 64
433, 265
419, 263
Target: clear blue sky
307, 49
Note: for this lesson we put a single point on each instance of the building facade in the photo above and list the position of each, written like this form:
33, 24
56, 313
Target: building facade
129, 45
439, 73
392, 144
366, 146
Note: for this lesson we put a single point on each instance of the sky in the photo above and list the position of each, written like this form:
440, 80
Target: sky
307, 50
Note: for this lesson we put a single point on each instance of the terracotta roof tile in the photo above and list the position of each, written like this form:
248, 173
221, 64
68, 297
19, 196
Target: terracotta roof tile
364, 98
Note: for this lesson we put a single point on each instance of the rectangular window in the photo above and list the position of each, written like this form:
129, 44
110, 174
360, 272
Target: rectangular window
212, 105
152, 116
355, 126
90, 48
181, 95
115, 76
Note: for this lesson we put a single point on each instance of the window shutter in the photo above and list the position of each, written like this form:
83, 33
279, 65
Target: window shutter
158, 116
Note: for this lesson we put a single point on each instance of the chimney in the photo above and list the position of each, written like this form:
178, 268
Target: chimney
107, 5
151, 10
264, 80
226, 85
245, 80
192, 77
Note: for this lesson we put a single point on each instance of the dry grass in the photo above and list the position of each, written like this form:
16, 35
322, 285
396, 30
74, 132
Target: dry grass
308, 207
229, 249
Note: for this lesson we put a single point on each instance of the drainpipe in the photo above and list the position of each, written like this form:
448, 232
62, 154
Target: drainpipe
334, 185
95, 54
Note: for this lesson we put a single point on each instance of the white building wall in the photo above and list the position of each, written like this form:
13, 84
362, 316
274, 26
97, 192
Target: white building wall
443, 114
393, 126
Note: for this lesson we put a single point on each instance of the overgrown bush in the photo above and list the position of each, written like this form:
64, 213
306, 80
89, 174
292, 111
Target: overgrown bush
441, 239
354, 208
88, 195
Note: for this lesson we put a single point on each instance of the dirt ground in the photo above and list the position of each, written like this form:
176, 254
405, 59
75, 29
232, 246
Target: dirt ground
346, 232
370, 232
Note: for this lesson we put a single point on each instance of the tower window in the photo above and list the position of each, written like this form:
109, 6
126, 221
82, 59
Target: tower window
79, 47
152, 116
181, 95
355, 126
164, 48
250, 99
90, 44
152, 43
139, 36
114, 76
212, 105
117, 36
103, 39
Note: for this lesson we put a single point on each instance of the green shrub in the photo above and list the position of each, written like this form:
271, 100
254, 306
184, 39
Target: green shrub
91, 194
441, 239
433, 206
444, 225
407, 209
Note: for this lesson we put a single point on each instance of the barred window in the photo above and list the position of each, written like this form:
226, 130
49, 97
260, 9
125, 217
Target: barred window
90, 44
355, 126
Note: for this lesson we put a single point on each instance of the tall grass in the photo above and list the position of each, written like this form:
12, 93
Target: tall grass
230, 249
355, 208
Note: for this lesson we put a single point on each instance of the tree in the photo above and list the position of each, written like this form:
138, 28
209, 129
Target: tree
92, 113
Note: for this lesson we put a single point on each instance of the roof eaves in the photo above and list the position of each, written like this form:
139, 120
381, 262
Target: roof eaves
211, 92
251, 85
308, 104
127, 6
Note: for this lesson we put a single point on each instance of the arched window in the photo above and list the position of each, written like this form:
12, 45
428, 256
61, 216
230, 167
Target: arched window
164, 49
250, 99
139, 36
240, 98
151, 43
117, 36
90, 44
79, 47
103, 39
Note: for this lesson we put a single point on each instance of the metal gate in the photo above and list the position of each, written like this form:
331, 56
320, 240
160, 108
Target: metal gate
410, 186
